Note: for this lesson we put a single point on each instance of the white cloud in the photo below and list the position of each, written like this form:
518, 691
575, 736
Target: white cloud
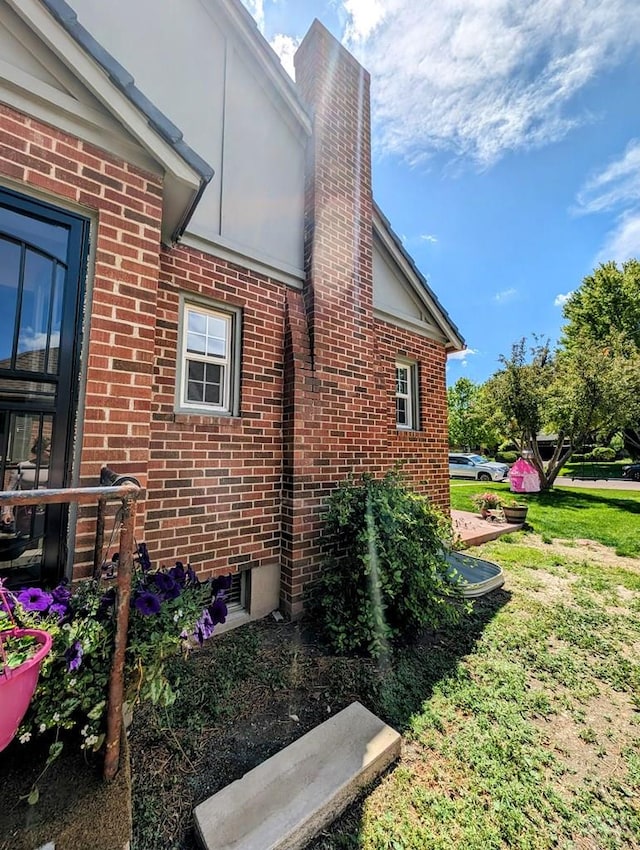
462, 356
256, 7
561, 300
617, 185
285, 46
505, 295
616, 188
428, 237
482, 77
363, 18
623, 242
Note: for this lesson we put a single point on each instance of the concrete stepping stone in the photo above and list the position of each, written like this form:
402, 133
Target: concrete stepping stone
288, 799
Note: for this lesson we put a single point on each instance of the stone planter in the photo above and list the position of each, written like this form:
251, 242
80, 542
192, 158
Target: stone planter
515, 514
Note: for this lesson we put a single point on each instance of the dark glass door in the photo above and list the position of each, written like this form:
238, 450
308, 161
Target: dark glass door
42, 269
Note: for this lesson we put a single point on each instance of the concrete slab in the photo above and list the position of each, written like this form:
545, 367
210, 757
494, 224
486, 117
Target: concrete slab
288, 799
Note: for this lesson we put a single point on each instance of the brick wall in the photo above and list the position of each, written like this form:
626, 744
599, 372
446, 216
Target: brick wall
317, 371
215, 481
124, 203
423, 453
340, 364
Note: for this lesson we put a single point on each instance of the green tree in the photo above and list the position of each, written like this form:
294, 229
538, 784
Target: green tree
608, 301
573, 392
470, 426
606, 310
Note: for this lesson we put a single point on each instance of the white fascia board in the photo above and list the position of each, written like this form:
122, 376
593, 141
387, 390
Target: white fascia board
453, 340
95, 79
28, 94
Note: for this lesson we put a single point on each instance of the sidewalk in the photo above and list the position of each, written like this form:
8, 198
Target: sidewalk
597, 483
473, 530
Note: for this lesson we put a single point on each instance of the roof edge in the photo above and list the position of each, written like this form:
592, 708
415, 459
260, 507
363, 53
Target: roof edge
454, 337
62, 12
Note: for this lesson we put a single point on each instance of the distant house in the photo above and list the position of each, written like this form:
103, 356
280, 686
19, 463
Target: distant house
215, 304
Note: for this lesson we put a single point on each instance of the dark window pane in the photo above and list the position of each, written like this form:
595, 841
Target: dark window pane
213, 374
212, 394
194, 391
34, 318
9, 278
56, 321
401, 411
52, 238
196, 370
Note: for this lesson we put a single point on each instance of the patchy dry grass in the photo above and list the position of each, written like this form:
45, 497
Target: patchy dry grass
521, 726
533, 740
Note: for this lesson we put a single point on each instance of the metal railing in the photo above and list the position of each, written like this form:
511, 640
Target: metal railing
128, 490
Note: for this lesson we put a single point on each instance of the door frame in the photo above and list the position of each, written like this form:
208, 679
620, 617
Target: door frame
65, 411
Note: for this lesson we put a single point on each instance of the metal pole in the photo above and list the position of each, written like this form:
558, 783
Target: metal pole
99, 544
116, 678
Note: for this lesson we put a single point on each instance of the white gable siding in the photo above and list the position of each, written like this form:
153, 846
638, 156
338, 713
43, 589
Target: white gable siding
187, 60
394, 298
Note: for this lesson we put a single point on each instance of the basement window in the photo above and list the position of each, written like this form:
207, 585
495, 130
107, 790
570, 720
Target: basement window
406, 395
209, 368
237, 597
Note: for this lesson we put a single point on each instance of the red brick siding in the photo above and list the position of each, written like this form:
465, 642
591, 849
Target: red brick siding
125, 203
423, 453
215, 482
317, 371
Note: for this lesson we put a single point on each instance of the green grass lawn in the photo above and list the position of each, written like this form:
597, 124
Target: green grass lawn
592, 469
520, 725
533, 740
611, 517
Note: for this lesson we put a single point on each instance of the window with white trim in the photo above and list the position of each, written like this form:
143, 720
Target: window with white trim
406, 395
209, 361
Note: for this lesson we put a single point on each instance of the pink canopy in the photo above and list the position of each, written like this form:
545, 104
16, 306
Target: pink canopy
524, 477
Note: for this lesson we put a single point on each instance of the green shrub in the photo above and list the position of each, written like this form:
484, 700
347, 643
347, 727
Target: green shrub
601, 453
385, 575
507, 457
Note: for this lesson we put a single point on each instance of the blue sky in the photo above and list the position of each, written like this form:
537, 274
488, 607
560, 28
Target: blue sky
506, 146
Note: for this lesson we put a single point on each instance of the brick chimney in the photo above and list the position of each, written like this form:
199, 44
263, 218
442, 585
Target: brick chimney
331, 402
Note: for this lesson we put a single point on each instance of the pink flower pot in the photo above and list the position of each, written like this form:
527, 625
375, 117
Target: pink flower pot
17, 685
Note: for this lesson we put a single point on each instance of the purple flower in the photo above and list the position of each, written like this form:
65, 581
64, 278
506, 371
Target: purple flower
34, 599
107, 601
178, 573
61, 594
73, 656
218, 610
143, 557
221, 583
59, 609
167, 585
204, 627
147, 603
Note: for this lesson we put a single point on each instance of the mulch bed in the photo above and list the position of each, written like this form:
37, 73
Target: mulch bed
76, 809
243, 715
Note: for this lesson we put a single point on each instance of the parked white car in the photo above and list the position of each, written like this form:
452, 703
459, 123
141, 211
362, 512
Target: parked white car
463, 465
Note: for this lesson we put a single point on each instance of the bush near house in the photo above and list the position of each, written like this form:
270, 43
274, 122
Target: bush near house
385, 575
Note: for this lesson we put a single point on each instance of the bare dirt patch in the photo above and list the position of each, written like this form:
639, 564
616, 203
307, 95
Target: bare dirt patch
585, 550
591, 750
